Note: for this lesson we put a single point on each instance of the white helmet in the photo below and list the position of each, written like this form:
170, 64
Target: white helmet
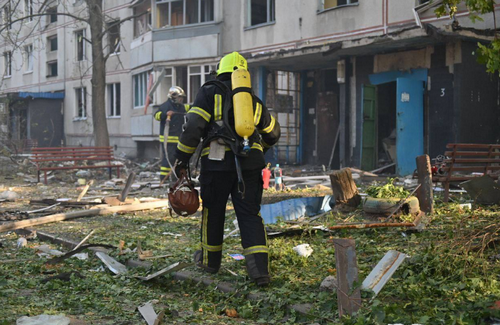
175, 92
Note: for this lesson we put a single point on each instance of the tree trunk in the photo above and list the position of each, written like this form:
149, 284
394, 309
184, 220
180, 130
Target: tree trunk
424, 193
98, 81
344, 189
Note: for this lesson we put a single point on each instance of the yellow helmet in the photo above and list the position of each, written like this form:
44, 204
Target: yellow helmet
231, 62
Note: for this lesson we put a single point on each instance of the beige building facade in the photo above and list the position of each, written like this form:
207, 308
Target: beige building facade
315, 63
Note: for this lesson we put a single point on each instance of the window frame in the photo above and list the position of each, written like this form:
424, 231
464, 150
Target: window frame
143, 87
148, 21
270, 19
49, 41
49, 64
7, 19
28, 10
202, 73
117, 49
52, 12
7, 61
83, 44
184, 14
28, 58
350, 3
111, 112
83, 94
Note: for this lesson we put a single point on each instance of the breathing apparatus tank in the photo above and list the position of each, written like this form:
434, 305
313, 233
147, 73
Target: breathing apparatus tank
243, 106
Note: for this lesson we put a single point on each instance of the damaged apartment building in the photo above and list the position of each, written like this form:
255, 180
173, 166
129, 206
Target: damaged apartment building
362, 83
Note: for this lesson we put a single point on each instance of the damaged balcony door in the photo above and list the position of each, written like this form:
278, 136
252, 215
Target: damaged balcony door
409, 124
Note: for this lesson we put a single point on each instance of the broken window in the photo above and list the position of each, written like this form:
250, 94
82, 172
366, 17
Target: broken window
81, 102
114, 100
7, 59
7, 19
142, 23
52, 15
262, 12
80, 45
28, 58
140, 89
283, 100
184, 12
198, 75
28, 9
114, 37
327, 4
52, 42
52, 69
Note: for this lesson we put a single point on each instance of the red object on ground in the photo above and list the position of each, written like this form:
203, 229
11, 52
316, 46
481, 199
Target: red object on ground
266, 176
496, 305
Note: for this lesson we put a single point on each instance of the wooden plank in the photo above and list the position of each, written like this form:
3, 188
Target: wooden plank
128, 185
84, 190
104, 158
66, 148
347, 277
472, 145
472, 153
471, 168
85, 213
424, 193
373, 225
80, 167
460, 178
472, 160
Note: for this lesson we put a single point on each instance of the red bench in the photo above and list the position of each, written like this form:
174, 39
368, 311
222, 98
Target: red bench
79, 156
463, 159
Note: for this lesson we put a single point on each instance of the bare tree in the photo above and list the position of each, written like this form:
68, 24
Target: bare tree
100, 26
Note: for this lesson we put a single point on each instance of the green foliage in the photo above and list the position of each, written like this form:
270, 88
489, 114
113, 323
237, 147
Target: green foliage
489, 53
443, 282
387, 191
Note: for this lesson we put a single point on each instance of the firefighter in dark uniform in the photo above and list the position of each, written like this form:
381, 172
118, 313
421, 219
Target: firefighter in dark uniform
219, 176
174, 108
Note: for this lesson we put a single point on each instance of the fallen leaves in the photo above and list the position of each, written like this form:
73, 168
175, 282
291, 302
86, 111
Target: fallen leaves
231, 312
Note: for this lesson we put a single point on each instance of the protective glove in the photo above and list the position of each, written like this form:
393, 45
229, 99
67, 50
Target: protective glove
180, 167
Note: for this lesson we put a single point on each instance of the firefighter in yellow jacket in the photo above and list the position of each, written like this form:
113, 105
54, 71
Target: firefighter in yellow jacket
234, 139
174, 109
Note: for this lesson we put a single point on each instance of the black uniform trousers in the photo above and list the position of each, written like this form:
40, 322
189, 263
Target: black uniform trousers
216, 186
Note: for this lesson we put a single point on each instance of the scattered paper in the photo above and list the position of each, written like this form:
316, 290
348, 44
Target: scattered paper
237, 257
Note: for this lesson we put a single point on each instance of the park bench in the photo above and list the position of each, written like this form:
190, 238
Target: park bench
45, 158
464, 161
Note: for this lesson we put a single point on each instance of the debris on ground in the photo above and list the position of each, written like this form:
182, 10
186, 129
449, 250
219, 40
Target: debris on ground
483, 190
43, 320
384, 270
304, 250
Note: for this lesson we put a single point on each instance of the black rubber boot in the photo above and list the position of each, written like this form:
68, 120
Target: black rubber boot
198, 261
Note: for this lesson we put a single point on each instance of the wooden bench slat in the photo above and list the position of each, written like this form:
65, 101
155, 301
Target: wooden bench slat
473, 160
458, 178
471, 168
472, 145
75, 159
70, 148
463, 158
472, 153
70, 152
73, 154
81, 167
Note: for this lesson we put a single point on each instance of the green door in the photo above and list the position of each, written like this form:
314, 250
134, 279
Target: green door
369, 140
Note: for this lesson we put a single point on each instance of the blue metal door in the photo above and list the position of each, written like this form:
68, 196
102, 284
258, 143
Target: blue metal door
409, 124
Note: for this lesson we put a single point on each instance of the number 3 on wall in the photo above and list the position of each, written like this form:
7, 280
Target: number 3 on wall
442, 91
